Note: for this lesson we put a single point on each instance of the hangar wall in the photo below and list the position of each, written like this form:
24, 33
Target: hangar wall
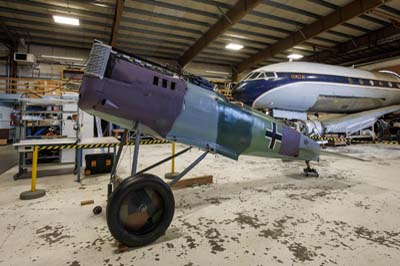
46, 68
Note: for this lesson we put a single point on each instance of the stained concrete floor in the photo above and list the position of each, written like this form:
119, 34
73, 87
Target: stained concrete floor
257, 212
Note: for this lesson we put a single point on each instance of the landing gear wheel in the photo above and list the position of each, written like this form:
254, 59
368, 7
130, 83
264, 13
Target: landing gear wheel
140, 210
308, 171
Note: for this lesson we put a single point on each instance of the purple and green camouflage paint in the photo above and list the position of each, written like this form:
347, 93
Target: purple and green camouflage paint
124, 91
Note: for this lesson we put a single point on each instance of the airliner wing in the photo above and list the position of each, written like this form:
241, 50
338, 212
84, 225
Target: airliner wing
357, 121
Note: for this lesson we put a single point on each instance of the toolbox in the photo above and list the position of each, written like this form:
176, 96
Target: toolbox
98, 163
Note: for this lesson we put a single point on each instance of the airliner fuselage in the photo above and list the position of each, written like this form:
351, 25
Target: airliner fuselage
312, 87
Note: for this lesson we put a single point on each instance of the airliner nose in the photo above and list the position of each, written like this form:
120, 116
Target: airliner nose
241, 92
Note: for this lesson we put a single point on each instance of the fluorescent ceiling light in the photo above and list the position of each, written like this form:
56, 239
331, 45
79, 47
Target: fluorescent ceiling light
235, 36
234, 46
295, 56
100, 5
66, 20
217, 72
62, 57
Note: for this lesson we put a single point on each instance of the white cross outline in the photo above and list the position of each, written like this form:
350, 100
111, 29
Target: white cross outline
277, 133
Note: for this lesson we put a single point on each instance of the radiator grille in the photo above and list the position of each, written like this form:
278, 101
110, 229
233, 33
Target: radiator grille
98, 59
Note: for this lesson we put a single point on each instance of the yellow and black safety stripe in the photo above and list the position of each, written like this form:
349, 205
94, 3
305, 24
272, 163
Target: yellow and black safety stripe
390, 142
328, 138
356, 141
102, 145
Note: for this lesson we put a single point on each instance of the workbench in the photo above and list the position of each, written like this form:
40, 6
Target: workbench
35, 145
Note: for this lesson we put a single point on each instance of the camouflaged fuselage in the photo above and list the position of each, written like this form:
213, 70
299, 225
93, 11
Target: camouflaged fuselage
181, 111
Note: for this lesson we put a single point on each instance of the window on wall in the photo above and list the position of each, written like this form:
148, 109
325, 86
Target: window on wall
155, 80
173, 85
164, 83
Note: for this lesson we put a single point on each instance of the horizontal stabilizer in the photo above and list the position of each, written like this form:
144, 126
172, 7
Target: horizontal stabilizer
341, 155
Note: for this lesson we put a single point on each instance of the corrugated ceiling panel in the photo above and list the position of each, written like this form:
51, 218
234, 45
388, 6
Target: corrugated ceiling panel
165, 20
72, 5
50, 24
307, 6
151, 28
270, 22
394, 4
49, 12
170, 10
365, 23
159, 34
267, 9
348, 31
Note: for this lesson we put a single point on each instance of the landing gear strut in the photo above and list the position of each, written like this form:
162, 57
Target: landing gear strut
308, 171
141, 207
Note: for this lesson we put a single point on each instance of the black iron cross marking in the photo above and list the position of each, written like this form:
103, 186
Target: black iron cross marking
273, 135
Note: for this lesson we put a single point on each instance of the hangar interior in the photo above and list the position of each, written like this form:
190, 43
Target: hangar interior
145, 132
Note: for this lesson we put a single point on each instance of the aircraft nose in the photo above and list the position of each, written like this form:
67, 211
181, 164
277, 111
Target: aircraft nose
89, 93
241, 92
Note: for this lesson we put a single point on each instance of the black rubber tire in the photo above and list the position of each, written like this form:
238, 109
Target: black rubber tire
116, 199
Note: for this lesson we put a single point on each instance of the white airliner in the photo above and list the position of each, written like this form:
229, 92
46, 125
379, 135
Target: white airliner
293, 89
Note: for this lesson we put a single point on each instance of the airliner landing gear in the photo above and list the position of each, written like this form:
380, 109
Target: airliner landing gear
308, 171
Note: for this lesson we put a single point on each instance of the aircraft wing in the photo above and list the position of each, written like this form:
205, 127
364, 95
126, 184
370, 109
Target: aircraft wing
357, 121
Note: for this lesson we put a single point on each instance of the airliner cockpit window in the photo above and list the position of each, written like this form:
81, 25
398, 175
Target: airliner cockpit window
261, 76
247, 76
254, 75
270, 75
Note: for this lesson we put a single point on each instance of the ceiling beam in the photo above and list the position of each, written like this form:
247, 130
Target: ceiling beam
117, 20
232, 16
11, 40
358, 43
339, 16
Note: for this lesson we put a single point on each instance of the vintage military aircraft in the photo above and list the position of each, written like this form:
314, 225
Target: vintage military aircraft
138, 95
292, 89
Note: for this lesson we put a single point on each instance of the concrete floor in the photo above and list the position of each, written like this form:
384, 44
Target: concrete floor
258, 212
